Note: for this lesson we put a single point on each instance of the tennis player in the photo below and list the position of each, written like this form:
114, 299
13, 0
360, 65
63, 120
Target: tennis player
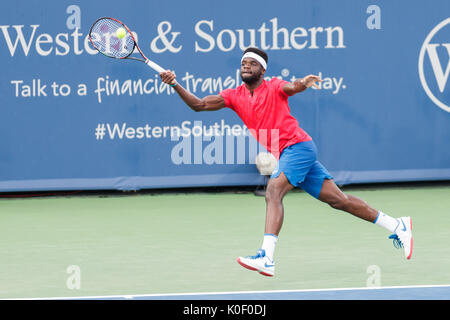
263, 107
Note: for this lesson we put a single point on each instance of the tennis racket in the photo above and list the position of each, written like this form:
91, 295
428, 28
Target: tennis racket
104, 37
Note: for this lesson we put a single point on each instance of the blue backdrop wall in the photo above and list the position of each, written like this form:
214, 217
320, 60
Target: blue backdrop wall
73, 119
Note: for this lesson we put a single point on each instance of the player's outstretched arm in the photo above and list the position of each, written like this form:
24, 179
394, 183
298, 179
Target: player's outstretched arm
208, 103
300, 85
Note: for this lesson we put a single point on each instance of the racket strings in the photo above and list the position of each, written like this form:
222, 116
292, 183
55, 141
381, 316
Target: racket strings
103, 36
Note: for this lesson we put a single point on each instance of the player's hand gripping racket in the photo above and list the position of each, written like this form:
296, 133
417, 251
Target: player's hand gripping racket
114, 39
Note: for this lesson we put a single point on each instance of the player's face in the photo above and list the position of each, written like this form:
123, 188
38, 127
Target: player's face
251, 70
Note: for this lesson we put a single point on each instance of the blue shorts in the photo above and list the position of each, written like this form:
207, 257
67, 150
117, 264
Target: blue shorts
299, 164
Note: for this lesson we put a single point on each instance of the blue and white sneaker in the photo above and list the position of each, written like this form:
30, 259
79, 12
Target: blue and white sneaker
402, 237
259, 262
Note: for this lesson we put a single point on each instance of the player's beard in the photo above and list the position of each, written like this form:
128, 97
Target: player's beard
251, 79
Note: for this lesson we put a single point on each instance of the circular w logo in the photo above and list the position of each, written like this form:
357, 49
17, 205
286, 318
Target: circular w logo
439, 63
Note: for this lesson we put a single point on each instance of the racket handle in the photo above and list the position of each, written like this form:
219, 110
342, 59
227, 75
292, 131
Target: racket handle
154, 66
157, 68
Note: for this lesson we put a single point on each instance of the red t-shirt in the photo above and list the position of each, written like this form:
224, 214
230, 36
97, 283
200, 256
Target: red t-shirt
266, 114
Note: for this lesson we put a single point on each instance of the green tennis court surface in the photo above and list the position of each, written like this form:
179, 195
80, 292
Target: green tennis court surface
188, 242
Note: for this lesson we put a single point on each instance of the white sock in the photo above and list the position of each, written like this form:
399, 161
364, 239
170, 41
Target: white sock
386, 221
270, 240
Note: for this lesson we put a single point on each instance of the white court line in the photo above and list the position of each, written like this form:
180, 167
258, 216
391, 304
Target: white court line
131, 296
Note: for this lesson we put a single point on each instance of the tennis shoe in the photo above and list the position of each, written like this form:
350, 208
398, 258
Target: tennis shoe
259, 262
402, 237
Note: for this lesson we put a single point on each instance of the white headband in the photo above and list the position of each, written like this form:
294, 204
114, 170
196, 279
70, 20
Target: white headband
256, 57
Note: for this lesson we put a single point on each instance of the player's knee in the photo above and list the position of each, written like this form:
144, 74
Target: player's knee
273, 194
340, 203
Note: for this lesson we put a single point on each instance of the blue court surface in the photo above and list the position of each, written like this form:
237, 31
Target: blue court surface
440, 292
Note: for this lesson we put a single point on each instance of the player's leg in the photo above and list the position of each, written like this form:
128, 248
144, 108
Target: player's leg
293, 166
263, 260
275, 192
332, 195
400, 227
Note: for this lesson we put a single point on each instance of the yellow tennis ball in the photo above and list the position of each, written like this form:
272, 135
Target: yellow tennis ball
121, 32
